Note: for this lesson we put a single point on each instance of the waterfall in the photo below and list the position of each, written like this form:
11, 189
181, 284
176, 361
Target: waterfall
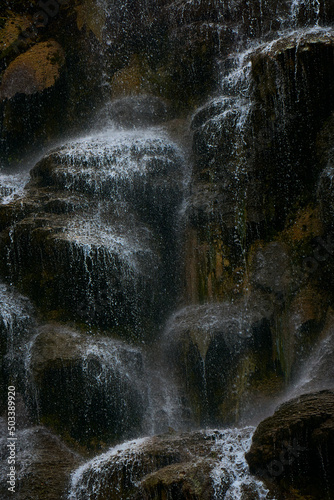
155, 298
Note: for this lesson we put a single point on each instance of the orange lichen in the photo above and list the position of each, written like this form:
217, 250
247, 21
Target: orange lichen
33, 71
307, 224
10, 32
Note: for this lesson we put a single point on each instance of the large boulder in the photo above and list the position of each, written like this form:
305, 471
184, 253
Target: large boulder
95, 234
294, 449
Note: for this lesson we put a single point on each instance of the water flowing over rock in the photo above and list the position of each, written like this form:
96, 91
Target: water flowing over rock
166, 204
195, 466
16, 326
91, 388
87, 229
215, 350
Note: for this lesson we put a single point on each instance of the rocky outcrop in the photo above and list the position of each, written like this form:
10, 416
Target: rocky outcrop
294, 449
100, 212
91, 391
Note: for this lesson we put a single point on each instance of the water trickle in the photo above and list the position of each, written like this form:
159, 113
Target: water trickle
15, 320
231, 446
317, 371
309, 9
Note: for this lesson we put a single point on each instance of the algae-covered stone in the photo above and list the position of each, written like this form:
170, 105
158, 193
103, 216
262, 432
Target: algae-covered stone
9, 33
35, 70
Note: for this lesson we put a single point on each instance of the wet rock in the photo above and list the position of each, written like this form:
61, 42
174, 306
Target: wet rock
94, 234
143, 168
271, 268
97, 274
16, 326
214, 350
43, 464
294, 449
302, 321
187, 466
242, 186
253, 18
184, 481
306, 13
288, 75
89, 390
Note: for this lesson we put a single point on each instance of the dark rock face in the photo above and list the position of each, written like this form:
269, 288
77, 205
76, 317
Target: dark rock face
293, 70
271, 268
90, 390
221, 353
295, 447
246, 146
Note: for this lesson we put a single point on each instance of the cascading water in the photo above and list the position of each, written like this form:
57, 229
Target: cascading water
230, 477
98, 238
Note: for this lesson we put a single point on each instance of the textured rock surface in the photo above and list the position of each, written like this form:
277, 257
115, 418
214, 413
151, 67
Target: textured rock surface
222, 354
295, 447
193, 466
97, 238
89, 390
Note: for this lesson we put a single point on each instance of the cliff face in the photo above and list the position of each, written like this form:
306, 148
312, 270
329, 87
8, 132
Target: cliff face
166, 218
